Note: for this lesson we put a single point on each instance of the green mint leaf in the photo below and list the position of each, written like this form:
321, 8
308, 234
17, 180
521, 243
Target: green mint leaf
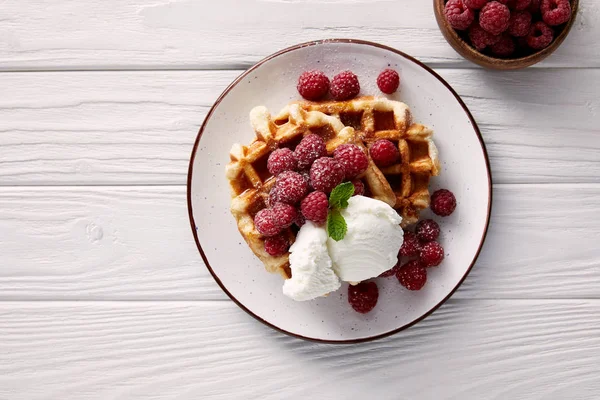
336, 225
340, 194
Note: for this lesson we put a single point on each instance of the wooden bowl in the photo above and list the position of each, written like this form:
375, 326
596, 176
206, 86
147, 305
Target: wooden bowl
470, 53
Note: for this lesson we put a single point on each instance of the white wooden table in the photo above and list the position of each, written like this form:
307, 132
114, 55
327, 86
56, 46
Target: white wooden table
103, 294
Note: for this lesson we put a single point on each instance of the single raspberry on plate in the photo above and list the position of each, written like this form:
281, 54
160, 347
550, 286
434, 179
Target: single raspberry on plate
281, 160
459, 16
555, 12
505, 47
475, 4
520, 22
266, 223
412, 275
277, 245
353, 160
540, 36
291, 187
390, 272
494, 17
344, 86
388, 81
326, 173
313, 85
410, 246
363, 297
481, 38
431, 254
309, 149
315, 206
359, 187
285, 214
427, 230
443, 202
534, 7
384, 153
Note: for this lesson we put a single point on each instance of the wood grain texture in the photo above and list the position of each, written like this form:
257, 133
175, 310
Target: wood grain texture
148, 350
175, 34
132, 128
134, 243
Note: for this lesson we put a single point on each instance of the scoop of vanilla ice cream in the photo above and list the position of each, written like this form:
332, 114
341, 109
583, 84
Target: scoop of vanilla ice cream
372, 242
312, 275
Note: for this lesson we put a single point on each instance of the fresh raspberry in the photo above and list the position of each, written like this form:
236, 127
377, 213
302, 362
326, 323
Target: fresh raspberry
359, 187
412, 275
277, 245
266, 223
281, 160
273, 197
363, 297
494, 17
518, 5
390, 272
353, 160
388, 81
410, 246
431, 254
285, 214
505, 47
313, 85
443, 202
534, 7
300, 220
326, 173
314, 207
309, 149
459, 16
475, 4
344, 86
480, 38
520, 22
555, 12
427, 230
540, 36
384, 153
291, 187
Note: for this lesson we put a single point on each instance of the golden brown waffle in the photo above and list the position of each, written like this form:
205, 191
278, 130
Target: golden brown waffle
361, 121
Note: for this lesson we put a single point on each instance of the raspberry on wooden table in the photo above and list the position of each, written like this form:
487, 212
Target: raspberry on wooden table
281, 160
313, 85
315, 206
540, 36
443, 202
481, 38
494, 17
353, 160
391, 272
412, 275
285, 214
266, 223
555, 12
388, 81
326, 173
277, 245
458, 15
384, 153
505, 47
431, 254
291, 187
363, 297
344, 86
309, 149
427, 230
410, 246
475, 4
520, 22
359, 187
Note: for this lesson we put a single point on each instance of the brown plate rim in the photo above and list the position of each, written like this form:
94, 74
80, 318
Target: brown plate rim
195, 149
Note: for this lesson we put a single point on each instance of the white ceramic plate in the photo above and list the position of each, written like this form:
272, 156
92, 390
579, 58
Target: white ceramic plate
272, 82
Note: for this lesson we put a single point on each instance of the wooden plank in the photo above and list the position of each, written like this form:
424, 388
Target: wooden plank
142, 34
134, 243
129, 128
481, 350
